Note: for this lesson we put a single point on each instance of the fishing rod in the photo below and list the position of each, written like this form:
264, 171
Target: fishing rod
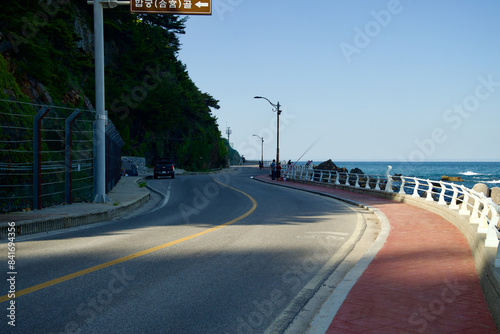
308, 149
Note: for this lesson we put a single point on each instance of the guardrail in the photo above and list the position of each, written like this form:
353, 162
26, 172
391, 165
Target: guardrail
482, 211
267, 163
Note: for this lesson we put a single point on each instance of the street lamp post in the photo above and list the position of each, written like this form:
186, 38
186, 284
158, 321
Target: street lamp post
278, 112
261, 150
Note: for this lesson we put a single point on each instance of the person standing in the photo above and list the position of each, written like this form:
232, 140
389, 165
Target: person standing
273, 170
278, 171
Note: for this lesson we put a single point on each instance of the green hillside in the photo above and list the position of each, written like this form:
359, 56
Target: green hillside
47, 58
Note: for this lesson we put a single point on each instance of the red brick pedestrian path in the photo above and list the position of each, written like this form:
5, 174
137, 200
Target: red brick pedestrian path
423, 280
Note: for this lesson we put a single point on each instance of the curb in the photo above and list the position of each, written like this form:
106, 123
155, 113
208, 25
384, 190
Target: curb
224, 170
58, 223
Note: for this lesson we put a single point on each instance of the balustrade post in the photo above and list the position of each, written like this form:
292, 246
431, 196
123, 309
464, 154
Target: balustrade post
429, 192
491, 237
367, 185
483, 215
357, 181
453, 204
347, 179
329, 176
337, 178
388, 186
492, 233
441, 195
402, 188
464, 210
377, 186
415, 190
474, 217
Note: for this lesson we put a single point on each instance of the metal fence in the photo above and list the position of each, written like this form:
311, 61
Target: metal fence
267, 163
114, 144
47, 156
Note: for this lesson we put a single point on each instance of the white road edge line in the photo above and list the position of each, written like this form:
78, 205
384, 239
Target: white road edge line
166, 197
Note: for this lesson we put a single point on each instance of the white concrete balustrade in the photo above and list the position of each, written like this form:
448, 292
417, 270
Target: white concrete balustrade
482, 211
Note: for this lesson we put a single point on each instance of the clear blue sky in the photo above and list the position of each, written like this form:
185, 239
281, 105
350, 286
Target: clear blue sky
409, 80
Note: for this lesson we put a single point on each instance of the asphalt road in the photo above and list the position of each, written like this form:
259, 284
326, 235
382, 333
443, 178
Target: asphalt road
219, 253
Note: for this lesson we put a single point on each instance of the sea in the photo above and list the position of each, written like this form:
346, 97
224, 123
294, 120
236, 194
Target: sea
470, 172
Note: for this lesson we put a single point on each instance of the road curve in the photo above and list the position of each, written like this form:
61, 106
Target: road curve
221, 254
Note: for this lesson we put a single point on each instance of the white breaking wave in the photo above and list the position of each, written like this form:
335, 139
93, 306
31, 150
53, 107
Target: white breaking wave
494, 181
469, 173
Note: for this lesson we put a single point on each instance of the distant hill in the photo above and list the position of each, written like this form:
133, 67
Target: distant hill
233, 155
47, 57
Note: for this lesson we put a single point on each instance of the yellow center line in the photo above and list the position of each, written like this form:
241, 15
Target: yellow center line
135, 255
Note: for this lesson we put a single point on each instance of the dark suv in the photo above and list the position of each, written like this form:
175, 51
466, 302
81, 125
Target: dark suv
164, 167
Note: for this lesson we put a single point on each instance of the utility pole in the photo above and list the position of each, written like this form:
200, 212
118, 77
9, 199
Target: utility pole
101, 117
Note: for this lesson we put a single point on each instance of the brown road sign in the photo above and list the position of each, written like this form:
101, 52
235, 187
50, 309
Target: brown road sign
181, 7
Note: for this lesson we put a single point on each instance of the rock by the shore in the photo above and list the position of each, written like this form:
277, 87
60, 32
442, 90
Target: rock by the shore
330, 165
482, 188
327, 165
356, 171
451, 178
495, 195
